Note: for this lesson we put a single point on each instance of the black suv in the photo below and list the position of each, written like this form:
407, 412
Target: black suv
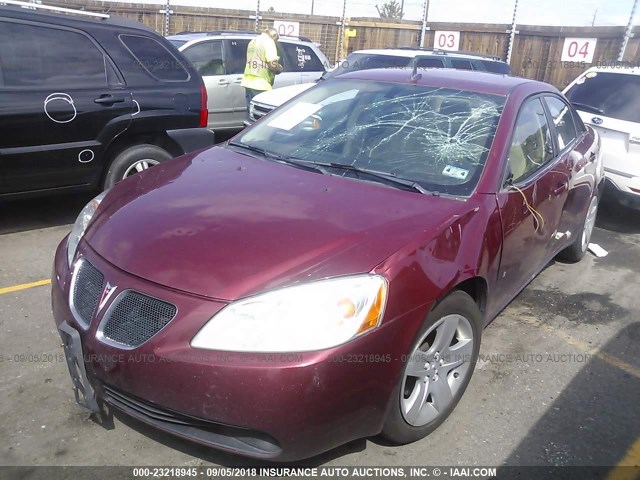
87, 100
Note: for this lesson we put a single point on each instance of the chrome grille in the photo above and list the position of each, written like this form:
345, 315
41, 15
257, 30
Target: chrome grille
259, 110
88, 284
134, 318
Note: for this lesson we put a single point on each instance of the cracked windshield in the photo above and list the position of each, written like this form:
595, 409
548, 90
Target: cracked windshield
437, 139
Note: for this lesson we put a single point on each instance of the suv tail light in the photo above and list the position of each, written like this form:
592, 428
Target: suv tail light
204, 113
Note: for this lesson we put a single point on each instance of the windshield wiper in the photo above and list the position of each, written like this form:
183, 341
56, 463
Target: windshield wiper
589, 108
286, 160
384, 176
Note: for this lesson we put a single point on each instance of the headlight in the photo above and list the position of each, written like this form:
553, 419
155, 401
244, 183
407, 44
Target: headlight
308, 317
82, 222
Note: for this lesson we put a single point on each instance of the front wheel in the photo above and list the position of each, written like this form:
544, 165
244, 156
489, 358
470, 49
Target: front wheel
437, 369
574, 252
134, 160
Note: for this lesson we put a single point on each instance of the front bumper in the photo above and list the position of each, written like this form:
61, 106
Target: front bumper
277, 406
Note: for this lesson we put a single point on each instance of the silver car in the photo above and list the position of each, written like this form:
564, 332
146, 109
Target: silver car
220, 58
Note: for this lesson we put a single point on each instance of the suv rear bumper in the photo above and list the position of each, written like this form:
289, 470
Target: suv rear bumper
192, 139
625, 197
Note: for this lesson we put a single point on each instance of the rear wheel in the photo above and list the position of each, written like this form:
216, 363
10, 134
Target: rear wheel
437, 369
134, 160
578, 248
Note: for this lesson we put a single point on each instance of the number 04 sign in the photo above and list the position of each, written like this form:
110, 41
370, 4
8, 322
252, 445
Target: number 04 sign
578, 50
445, 40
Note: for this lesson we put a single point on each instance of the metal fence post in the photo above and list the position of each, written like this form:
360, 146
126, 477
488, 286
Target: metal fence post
257, 16
512, 35
627, 32
425, 14
167, 16
341, 31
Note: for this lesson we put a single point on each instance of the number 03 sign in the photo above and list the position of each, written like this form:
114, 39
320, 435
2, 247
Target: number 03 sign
578, 50
445, 40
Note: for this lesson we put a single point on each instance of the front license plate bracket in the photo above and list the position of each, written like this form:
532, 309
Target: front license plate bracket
82, 389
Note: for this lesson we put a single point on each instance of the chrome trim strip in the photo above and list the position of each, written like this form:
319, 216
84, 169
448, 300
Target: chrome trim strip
618, 172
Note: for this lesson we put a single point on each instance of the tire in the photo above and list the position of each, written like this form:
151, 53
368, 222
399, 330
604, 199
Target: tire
134, 160
576, 251
419, 404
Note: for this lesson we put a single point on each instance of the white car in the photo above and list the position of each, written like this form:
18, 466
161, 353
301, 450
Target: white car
380, 58
608, 99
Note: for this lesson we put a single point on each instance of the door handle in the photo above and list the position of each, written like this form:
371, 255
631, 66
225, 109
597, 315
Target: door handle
108, 99
560, 188
223, 81
238, 80
592, 157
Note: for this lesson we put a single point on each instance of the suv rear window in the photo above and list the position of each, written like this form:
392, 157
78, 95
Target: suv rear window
301, 58
615, 95
367, 61
496, 67
153, 57
37, 56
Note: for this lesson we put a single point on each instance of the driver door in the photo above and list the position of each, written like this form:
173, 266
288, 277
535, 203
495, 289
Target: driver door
531, 200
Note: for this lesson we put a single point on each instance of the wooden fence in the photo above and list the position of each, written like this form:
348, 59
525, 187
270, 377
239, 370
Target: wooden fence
536, 51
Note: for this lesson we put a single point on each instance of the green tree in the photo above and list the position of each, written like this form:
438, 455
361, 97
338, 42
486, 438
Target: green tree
271, 10
391, 9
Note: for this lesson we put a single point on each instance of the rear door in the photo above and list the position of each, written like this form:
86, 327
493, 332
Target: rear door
208, 58
531, 200
577, 161
61, 100
235, 59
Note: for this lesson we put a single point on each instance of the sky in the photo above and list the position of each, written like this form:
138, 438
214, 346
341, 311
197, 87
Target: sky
531, 12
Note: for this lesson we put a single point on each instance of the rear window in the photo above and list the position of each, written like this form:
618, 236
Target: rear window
461, 64
424, 62
496, 67
154, 57
301, 58
615, 95
367, 61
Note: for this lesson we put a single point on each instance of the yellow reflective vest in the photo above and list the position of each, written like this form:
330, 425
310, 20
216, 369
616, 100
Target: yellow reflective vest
260, 52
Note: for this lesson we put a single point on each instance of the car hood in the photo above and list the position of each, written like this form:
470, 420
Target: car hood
278, 96
225, 225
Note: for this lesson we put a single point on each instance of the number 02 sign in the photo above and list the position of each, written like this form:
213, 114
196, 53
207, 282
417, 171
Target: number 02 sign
578, 50
288, 29
445, 40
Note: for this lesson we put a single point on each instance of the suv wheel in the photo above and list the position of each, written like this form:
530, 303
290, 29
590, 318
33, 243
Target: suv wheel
134, 160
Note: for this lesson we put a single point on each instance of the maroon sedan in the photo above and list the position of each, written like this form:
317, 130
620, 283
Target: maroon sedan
326, 275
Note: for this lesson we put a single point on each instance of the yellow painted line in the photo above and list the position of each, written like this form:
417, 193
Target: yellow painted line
585, 347
631, 459
24, 286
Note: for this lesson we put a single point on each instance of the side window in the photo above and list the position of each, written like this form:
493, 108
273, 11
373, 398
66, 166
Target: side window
235, 55
430, 63
461, 64
206, 57
300, 58
152, 56
531, 146
563, 121
34, 56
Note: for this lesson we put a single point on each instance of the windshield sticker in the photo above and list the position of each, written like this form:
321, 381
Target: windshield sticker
455, 172
294, 116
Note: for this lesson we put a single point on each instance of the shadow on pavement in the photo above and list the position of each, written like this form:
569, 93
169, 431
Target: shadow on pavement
592, 424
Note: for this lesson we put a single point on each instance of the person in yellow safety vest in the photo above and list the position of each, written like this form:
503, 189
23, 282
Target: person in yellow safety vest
262, 64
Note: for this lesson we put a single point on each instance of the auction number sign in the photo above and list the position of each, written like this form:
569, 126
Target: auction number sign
578, 50
446, 40
288, 29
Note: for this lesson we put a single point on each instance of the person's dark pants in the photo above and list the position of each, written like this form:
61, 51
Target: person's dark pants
249, 93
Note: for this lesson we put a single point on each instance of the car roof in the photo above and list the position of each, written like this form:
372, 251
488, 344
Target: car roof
69, 20
188, 36
482, 82
410, 52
